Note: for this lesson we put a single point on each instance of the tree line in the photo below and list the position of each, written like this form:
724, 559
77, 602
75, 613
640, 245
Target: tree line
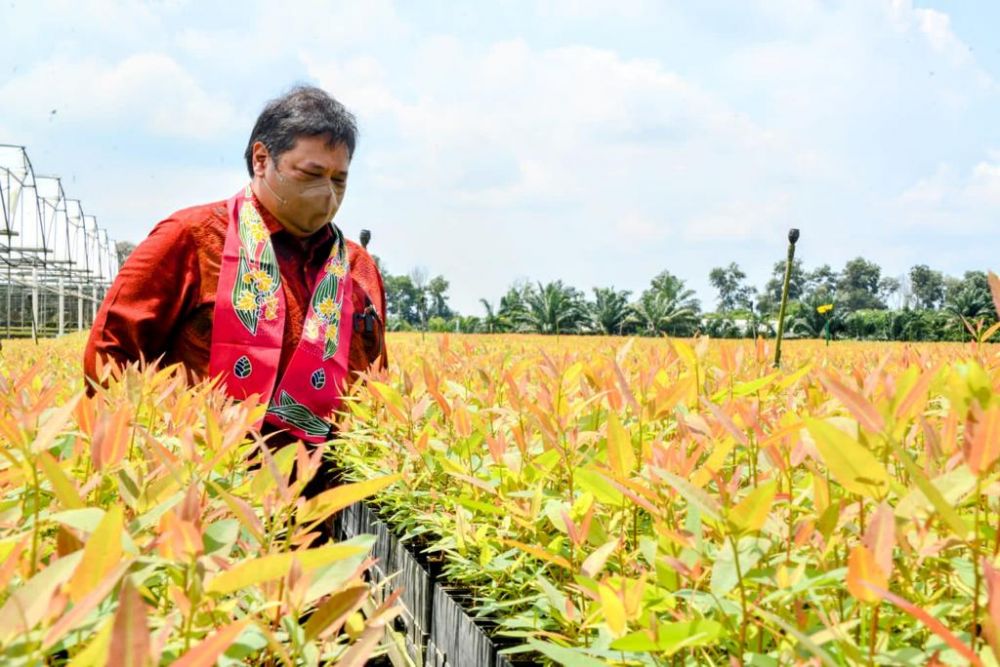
857, 302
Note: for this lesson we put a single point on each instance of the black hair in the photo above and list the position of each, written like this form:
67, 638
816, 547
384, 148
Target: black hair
304, 111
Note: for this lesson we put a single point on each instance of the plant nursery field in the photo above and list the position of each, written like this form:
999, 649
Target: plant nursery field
603, 501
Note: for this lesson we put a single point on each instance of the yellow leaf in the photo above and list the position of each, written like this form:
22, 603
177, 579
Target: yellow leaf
862, 568
334, 611
96, 652
390, 398
64, 489
333, 500
614, 610
101, 553
851, 464
274, 566
620, 454
750, 513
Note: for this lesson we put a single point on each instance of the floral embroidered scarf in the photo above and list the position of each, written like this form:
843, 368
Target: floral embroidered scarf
249, 324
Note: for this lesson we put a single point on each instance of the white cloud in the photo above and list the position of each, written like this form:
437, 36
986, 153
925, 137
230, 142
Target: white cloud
151, 89
950, 201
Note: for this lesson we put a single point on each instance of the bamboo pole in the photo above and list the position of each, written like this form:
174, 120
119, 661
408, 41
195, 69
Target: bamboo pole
793, 236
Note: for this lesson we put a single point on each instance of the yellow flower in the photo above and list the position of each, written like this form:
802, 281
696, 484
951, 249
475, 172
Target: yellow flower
263, 280
331, 333
825, 308
247, 278
246, 302
328, 308
335, 268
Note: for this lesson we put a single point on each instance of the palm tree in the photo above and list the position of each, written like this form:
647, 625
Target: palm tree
666, 307
656, 312
807, 321
492, 322
512, 309
554, 308
609, 311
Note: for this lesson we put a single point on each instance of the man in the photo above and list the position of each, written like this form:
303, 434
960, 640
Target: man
260, 289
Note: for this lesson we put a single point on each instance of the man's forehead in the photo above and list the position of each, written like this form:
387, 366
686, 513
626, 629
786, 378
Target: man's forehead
317, 152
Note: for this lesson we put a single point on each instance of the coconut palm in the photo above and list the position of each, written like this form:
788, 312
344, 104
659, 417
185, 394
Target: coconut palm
666, 307
554, 308
492, 322
656, 313
609, 311
512, 310
807, 320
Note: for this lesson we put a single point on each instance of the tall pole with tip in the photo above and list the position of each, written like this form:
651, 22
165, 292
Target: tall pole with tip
793, 236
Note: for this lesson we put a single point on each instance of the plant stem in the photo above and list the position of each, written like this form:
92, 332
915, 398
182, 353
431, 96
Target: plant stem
743, 596
974, 628
873, 634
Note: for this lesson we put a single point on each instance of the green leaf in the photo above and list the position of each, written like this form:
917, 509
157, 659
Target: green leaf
692, 494
219, 537
724, 575
850, 463
29, 602
570, 657
670, 637
588, 479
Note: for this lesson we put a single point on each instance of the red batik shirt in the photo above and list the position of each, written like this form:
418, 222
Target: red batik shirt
162, 302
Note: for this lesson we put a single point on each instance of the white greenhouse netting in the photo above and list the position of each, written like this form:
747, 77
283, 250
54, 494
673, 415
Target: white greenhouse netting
56, 263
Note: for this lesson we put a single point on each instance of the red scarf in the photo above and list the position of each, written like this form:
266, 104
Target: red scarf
250, 319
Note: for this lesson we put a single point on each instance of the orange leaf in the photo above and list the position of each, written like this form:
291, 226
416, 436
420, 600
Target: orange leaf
863, 411
130, 635
111, 438
935, 625
862, 569
209, 649
995, 290
983, 443
880, 537
992, 621
539, 553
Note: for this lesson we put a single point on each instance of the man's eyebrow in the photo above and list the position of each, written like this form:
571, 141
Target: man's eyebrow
316, 166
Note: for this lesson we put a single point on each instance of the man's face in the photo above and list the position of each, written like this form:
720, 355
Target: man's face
305, 186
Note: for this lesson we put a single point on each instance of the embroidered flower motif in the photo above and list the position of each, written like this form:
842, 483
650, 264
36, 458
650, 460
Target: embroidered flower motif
246, 301
257, 230
335, 268
331, 333
328, 309
262, 280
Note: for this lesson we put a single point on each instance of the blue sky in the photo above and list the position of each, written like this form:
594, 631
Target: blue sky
594, 141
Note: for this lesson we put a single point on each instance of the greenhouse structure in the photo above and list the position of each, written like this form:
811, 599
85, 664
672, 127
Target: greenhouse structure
57, 264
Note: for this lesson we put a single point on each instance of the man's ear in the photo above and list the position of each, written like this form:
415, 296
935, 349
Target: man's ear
258, 158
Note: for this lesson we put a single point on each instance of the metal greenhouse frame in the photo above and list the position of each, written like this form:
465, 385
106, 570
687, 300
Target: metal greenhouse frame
56, 263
